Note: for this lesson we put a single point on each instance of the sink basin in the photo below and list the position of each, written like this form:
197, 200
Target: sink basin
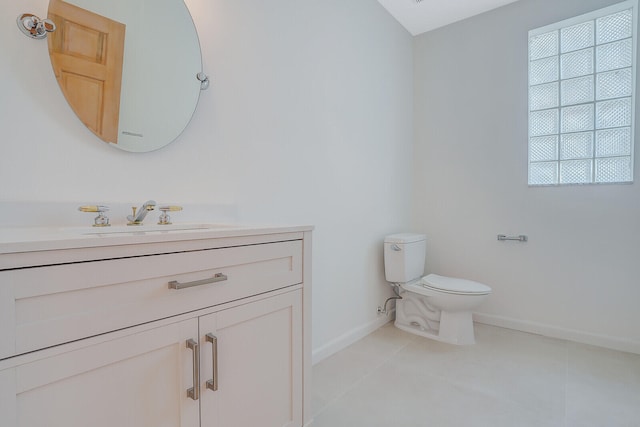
140, 229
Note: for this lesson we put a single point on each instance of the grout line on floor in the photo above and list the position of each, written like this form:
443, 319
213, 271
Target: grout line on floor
566, 382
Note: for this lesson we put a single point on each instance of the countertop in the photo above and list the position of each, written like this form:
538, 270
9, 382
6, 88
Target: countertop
32, 239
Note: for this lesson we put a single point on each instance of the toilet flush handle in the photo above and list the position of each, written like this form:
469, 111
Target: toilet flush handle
396, 248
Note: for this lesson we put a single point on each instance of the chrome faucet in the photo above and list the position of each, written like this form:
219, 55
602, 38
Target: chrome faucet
134, 219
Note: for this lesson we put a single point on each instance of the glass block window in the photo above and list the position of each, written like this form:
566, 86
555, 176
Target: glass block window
582, 98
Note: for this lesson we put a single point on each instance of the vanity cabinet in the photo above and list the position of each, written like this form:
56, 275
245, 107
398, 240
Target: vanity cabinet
124, 381
258, 364
109, 342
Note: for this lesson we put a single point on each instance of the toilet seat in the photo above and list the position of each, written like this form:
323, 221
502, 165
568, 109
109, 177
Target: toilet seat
452, 285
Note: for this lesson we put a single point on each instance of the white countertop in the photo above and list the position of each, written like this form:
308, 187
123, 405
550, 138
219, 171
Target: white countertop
32, 239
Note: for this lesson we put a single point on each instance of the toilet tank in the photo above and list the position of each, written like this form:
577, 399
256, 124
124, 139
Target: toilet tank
404, 257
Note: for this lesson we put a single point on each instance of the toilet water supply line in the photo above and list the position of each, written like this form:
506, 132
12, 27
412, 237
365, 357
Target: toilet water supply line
383, 310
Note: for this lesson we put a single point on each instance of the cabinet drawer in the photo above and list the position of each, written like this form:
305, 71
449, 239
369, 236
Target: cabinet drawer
46, 306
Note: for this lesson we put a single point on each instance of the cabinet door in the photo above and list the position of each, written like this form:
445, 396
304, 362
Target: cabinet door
137, 380
259, 364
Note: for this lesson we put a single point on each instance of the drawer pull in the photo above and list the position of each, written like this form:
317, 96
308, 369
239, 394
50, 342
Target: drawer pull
194, 392
217, 278
213, 384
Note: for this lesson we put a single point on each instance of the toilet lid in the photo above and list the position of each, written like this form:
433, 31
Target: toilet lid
454, 285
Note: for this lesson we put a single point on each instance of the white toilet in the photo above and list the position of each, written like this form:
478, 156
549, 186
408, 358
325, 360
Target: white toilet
433, 306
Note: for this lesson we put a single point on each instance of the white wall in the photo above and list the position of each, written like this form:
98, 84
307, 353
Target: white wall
578, 276
308, 121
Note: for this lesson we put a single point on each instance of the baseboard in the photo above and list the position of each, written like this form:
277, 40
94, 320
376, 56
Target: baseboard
348, 338
614, 343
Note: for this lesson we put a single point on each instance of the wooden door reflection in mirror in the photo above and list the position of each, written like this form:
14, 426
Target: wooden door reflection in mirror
87, 52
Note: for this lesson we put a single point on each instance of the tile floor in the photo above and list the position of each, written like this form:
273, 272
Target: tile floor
395, 379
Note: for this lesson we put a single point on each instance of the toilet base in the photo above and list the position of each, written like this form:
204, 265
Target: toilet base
457, 327
464, 339
416, 317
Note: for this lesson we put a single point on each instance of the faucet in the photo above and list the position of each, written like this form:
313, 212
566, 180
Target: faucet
134, 219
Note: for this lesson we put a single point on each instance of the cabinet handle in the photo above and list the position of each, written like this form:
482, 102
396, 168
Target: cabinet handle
194, 392
213, 383
217, 278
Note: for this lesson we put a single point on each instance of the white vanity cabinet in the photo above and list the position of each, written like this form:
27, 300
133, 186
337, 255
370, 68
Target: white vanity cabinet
258, 364
134, 380
107, 341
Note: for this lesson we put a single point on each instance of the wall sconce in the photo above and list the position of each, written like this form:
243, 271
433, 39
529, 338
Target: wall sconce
34, 27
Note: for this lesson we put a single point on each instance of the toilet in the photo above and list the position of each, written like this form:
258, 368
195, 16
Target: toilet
433, 306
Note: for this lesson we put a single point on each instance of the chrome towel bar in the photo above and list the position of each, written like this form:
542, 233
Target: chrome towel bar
520, 238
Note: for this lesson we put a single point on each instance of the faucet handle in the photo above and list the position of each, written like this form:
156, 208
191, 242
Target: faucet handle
132, 218
101, 220
164, 218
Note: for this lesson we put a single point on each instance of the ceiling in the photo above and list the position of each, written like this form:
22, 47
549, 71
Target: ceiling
419, 16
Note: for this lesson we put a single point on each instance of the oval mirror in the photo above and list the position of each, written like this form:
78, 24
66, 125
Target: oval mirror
128, 69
